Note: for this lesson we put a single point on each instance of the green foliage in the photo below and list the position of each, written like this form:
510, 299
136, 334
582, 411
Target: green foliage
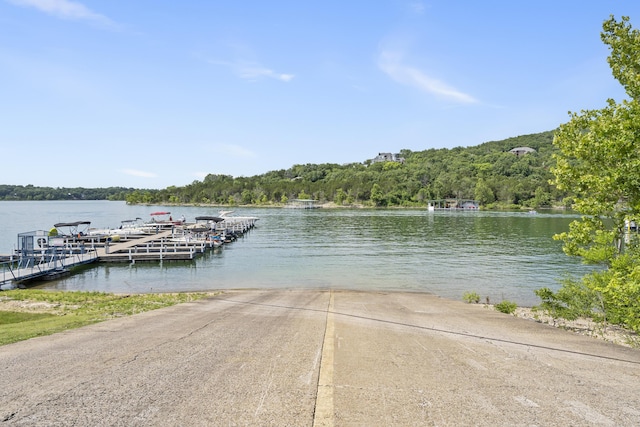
377, 198
598, 159
7, 317
483, 193
302, 195
571, 301
471, 297
487, 172
29, 192
507, 307
340, 196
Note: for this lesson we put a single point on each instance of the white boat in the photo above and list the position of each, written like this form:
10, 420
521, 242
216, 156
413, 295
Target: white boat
128, 227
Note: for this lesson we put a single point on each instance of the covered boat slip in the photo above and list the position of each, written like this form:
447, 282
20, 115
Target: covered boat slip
453, 204
302, 204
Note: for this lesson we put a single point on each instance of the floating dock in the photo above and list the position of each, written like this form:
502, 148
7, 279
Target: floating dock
154, 247
46, 265
41, 254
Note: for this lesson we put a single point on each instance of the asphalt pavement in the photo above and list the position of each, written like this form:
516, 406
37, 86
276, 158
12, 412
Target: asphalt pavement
319, 358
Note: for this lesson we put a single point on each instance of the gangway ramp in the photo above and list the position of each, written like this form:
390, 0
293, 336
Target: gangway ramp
33, 267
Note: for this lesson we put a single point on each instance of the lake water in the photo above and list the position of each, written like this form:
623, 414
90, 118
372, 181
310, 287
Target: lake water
500, 255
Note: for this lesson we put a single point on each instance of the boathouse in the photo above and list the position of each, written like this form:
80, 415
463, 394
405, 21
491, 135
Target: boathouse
302, 204
453, 204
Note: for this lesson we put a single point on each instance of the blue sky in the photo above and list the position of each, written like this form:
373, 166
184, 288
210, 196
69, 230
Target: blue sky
149, 94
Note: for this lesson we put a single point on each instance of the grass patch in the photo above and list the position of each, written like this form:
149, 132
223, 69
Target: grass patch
31, 313
471, 297
7, 317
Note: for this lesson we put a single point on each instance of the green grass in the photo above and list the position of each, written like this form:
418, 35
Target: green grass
62, 311
7, 317
471, 297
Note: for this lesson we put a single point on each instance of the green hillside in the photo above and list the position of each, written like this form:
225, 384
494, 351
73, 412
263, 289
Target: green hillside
488, 173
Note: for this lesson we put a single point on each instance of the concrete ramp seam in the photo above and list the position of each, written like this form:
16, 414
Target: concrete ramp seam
323, 414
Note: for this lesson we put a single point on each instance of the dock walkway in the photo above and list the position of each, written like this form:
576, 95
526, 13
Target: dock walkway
114, 248
17, 271
154, 247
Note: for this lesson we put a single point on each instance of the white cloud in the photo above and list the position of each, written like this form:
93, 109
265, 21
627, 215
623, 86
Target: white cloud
391, 64
253, 71
417, 7
66, 9
141, 174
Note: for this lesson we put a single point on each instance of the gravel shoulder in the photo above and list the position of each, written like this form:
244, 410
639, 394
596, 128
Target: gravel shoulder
583, 326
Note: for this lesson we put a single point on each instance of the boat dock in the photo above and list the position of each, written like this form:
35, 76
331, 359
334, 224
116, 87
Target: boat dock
49, 254
154, 247
453, 205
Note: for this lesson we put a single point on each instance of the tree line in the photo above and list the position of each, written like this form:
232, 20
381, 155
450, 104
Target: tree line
30, 192
488, 173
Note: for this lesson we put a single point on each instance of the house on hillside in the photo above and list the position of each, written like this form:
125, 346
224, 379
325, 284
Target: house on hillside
521, 151
387, 157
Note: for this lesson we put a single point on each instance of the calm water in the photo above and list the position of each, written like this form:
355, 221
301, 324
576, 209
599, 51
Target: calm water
496, 254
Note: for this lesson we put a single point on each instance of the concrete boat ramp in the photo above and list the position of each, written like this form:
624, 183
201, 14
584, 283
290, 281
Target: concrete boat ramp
319, 358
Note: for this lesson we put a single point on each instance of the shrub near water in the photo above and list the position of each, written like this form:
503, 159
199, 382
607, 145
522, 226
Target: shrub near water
471, 297
507, 307
45, 312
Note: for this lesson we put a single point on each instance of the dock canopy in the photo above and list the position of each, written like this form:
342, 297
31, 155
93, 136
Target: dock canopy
73, 227
71, 224
130, 220
160, 213
209, 218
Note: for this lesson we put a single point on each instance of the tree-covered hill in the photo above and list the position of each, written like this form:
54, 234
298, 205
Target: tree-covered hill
30, 192
489, 173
